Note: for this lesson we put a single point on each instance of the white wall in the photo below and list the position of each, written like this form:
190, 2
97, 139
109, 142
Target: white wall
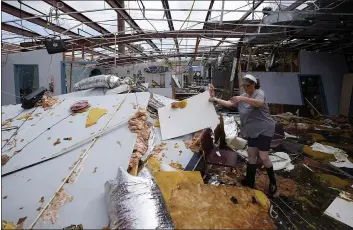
48, 66
167, 92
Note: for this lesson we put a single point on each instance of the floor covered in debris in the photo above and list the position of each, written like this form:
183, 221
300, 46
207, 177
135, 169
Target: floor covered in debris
305, 192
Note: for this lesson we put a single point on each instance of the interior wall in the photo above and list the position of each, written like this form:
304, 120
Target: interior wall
48, 66
122, 71
331, 68
346, 95
167, 92
280, 87
220, 78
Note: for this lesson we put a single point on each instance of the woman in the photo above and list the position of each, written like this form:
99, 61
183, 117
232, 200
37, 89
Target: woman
256, 125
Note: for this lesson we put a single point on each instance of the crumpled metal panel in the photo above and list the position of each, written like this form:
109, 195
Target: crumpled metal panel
100, 81
136, 202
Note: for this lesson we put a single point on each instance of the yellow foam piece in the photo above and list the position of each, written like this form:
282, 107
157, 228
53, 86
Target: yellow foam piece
262, 199
168, 181
153, 164
94, 115
25, 116
8, 225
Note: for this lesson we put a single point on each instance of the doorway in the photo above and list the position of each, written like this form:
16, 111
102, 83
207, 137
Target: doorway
313, 92
26, 80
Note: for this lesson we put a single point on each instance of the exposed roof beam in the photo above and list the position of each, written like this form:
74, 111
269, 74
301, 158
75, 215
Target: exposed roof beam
78, 16
170, 20
129, 20
109, 40
7, 8
208, 15
257, 4
295, 5
16, 30
125, 60
82, 18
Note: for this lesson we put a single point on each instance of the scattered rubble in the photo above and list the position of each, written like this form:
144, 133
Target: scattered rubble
57, 142
157, 124
194, 144
46, 102
138, 124
179, 104
334, 181
4, 159
20, 222
24, 117
176, 165
158, 149
60, 199
6, 123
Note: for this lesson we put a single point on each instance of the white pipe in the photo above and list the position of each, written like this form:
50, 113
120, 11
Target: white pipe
115, 52
221, 20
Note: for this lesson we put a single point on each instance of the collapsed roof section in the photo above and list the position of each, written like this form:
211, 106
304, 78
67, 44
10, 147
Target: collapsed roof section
170, 28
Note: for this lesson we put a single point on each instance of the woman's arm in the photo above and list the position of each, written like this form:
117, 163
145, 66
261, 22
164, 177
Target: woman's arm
251, 101
224, 103
254, 102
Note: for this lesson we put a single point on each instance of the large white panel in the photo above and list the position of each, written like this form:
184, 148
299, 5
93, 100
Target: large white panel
197, 115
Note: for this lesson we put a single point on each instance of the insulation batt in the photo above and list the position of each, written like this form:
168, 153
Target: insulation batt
99, 81
136, 203
138, 124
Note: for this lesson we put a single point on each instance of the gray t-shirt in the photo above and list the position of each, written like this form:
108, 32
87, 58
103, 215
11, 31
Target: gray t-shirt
256, 121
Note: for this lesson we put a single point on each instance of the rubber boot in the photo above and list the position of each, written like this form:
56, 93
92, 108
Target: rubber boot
250, 176
272, 188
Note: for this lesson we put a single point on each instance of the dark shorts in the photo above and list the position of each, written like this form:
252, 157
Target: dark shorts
263, 143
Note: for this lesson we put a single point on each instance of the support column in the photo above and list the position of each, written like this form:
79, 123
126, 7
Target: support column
121, 29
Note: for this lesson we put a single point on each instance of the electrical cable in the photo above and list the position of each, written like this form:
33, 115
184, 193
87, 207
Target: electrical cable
284, 214
44, 132
66, 150
80, 159
49, 68
15, 133
9, 128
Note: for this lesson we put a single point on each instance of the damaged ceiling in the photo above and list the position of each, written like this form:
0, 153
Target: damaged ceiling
168, 29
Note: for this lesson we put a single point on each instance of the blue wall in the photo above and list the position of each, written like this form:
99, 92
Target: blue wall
331, 67
280, 87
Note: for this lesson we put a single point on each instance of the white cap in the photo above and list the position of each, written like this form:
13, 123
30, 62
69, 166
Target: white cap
250, 77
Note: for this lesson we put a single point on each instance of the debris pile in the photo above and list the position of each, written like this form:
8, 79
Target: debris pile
179, 104
46, 102
60, 199
4, 159
138, 124
194, 144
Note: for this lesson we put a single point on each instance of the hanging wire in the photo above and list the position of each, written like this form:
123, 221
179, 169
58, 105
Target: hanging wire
44, 132
16, 132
